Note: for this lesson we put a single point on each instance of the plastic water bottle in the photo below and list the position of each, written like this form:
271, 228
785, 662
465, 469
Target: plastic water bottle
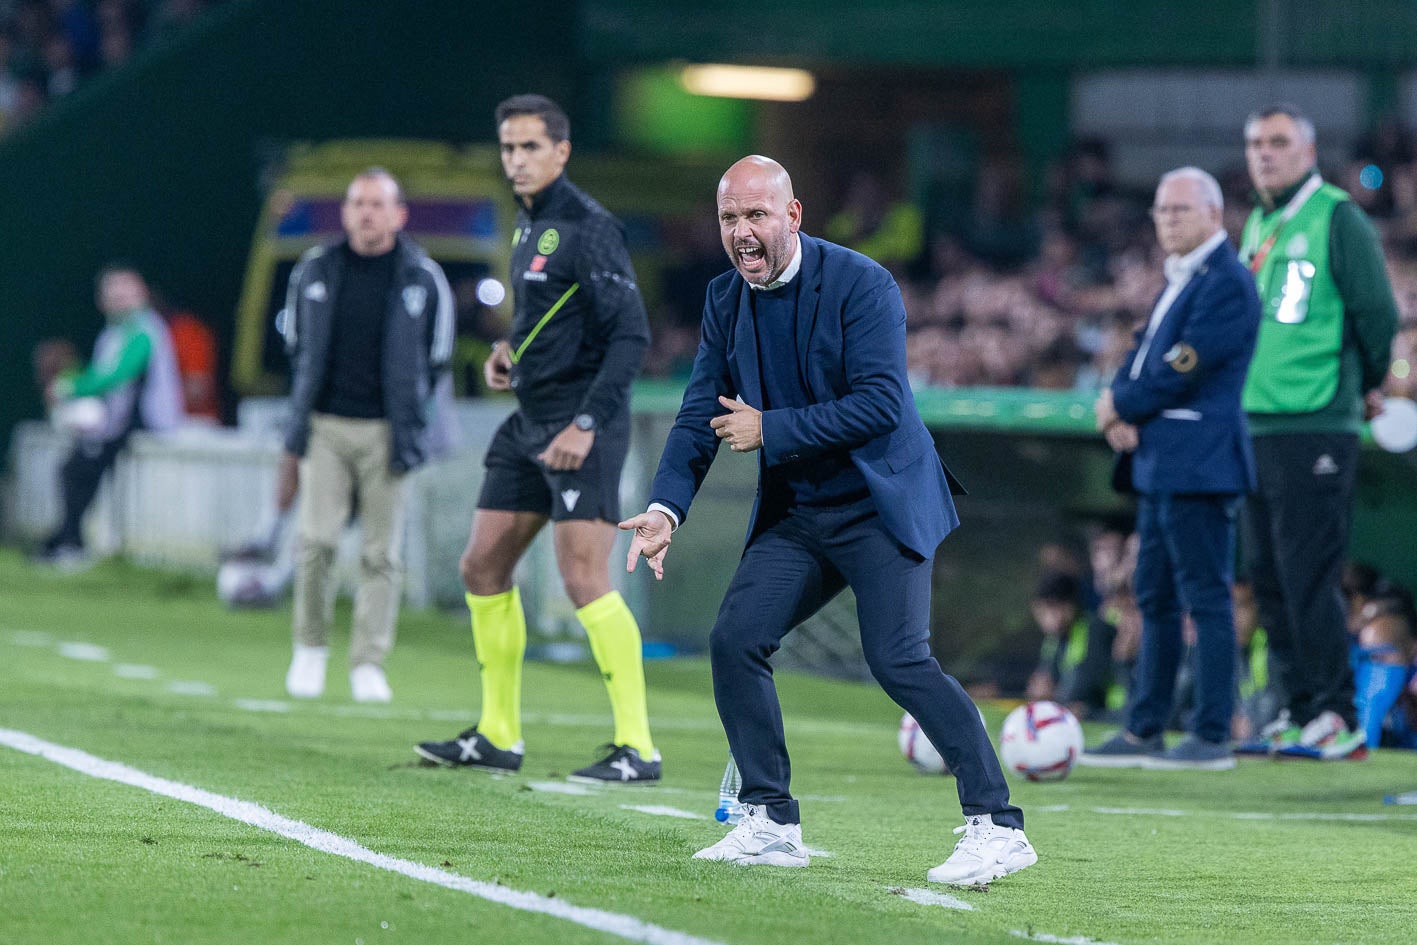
729, 810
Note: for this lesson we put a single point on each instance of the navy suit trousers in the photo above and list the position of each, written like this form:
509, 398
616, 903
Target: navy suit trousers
1185, 564
787, 573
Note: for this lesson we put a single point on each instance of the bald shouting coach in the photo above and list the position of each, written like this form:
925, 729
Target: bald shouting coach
802, 361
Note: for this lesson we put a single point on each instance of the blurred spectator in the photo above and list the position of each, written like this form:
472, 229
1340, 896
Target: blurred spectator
53, 357
1359, 583
1075, 659
195, 347
76, 22
1259, 702
48, 47
131, 383
877, 224
61, 68
115, 45
697, 258
1385, 696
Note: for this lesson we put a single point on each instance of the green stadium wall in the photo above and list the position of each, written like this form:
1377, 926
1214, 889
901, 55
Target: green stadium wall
160, 163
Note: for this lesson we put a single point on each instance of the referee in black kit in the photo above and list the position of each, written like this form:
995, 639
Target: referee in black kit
578, 337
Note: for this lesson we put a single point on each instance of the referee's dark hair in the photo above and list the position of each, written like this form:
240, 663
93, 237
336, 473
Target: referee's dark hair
558, 126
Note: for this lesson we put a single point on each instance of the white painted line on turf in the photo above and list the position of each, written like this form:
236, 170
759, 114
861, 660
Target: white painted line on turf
1057, 939
813, 851
134, 671
560, 787
246, 812
87, 652
262, 705
659, 810
191, 687
928, 897
30, 638
1340, 816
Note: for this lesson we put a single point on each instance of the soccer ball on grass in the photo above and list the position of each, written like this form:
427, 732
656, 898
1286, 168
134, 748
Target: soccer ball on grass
1041, 741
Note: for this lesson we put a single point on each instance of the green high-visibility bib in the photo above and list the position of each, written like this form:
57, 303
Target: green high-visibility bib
1296, 364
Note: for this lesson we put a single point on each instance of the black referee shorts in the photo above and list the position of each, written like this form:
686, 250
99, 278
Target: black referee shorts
517, 482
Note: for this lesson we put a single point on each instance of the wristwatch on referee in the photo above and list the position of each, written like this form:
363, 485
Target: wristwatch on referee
584, 422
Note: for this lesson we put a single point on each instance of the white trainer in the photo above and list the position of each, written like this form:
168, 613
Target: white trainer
759, 840
368, 684
306, 677
986, 852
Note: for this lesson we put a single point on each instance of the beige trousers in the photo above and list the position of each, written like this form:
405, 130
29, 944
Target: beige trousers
346, 458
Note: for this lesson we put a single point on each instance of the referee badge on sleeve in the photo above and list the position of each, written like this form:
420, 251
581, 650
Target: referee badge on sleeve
1182, 358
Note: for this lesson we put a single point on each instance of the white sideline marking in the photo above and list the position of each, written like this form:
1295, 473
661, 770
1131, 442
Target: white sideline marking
134, 671
246, 812
659, 810
1056, 939
1340, 816
928, 897
261, 705
88, 652
560, 787
191, 687
30, 638
813, 851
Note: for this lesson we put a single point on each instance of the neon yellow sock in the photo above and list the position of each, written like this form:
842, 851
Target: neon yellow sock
499, 638
615, 641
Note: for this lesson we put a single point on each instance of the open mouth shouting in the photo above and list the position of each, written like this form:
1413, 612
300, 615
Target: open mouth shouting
751, 260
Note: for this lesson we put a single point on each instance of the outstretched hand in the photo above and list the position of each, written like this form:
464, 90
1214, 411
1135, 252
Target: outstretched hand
653, 533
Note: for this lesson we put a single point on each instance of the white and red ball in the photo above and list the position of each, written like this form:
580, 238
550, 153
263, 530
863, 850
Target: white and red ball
917, 748
1041, 741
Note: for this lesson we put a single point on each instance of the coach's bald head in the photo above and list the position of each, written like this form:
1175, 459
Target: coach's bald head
758, 218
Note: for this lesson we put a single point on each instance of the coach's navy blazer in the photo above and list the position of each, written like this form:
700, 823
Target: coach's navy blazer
1186, 400
851, 345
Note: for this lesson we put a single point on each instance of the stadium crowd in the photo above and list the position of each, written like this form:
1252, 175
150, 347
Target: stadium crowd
1049, 298
50, 47
1085, 616
1062, 317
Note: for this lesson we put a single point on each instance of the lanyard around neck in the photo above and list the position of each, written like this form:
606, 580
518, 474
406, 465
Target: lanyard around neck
1254, 256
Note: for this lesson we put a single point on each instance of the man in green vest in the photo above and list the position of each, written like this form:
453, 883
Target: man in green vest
1327, 324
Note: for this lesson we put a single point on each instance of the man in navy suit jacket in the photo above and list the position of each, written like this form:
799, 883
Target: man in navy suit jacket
1173, 413
802, 360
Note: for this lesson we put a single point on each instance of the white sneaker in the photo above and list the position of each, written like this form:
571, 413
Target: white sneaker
986, 852
368, 684
306, 677
759, 840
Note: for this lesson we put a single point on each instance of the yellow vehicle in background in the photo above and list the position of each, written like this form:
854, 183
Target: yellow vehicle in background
461, 211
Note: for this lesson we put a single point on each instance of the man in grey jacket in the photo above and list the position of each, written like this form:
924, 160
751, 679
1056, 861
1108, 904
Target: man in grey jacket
369, 328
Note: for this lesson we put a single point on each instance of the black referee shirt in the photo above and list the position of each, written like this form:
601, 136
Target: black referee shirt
579, 331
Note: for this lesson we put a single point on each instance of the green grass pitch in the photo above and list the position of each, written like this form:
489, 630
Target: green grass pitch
1270, 853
